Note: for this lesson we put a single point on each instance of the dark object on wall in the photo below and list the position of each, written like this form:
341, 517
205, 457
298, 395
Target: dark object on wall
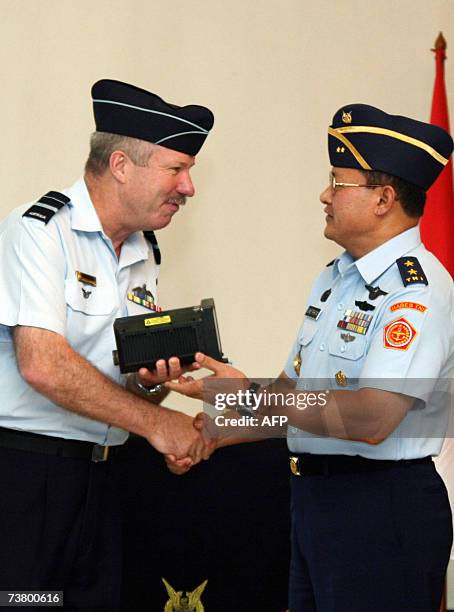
226, 521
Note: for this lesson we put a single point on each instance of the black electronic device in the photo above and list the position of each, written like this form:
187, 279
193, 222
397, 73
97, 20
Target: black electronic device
142, 340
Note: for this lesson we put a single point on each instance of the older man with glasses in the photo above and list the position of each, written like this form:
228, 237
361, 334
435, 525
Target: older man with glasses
371, 522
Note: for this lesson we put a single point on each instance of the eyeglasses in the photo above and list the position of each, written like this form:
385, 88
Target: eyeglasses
336, 184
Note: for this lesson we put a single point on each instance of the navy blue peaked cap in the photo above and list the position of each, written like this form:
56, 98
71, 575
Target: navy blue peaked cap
127, 110
367, 138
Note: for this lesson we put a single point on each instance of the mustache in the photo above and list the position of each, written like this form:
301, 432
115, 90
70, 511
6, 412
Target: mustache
178, 200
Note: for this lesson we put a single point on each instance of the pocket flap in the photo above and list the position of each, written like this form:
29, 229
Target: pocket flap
90, 300
348, 350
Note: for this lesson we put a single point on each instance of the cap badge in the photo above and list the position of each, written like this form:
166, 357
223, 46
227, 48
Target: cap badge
346, 117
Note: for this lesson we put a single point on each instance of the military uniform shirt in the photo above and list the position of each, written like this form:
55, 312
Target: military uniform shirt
39, 288
396, 334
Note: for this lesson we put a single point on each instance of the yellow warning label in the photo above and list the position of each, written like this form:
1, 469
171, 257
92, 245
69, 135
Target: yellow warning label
157, 320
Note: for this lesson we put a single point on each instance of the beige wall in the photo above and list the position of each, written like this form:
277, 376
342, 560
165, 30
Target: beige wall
274, 72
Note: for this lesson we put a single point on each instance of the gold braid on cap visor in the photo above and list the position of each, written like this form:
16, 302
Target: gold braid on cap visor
361, 129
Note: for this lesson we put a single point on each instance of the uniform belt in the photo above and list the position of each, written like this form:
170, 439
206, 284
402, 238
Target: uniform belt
306, 464
50, 445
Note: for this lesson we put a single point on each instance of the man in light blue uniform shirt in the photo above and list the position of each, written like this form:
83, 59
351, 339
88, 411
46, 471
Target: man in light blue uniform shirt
69, 265
371, 522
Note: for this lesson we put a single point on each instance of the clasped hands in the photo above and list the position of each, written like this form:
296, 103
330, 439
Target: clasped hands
185, 441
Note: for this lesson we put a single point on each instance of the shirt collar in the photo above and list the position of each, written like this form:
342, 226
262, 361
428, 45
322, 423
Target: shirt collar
373, 264
83, 214
85, 218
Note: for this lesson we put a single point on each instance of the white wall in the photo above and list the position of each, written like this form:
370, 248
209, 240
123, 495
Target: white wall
274, 72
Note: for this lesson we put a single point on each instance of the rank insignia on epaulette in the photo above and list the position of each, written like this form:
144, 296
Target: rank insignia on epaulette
46, 207
355, 321
411, 271
144, 297
151, 237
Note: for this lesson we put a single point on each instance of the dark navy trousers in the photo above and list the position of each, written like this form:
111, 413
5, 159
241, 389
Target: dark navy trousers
60, 525
370, 542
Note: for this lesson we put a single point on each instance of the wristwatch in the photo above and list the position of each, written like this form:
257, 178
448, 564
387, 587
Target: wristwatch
152, 390
248, 410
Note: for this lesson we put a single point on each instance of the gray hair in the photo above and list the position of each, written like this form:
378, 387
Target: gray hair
103, 144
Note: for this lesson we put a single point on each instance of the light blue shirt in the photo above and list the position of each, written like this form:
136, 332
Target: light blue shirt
408, 346
39, 288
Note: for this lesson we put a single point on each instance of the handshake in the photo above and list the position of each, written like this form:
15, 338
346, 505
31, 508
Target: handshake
184, 440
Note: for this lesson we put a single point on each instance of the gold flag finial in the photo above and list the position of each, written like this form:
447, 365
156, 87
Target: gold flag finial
440, 43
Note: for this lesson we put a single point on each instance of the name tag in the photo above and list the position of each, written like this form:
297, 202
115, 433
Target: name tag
313, 312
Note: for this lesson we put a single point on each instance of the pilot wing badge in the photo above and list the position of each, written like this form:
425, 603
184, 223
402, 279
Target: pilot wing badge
189, 602
143, 297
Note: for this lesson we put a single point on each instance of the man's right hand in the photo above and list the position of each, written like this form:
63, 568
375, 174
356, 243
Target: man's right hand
178, 435
203, 424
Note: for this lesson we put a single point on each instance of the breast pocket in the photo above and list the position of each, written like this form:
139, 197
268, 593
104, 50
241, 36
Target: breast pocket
348, 356
90, 301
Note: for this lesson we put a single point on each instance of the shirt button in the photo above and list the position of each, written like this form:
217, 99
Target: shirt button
322, 347
340, 306
342, 349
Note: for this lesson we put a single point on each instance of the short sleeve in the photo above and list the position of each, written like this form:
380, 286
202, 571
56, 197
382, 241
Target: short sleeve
410, 344
32, 273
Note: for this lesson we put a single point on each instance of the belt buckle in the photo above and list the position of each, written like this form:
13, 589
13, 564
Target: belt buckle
99, 453
295, 466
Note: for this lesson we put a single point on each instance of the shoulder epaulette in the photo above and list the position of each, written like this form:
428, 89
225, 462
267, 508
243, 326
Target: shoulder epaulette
53, 201
330, 263
411, 271
150, 236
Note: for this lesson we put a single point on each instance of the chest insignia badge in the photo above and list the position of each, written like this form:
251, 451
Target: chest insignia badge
86, 293
375, 292
143, 297
355, 321
341, 378
325, 295
364, 306
348, 337
86, 279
